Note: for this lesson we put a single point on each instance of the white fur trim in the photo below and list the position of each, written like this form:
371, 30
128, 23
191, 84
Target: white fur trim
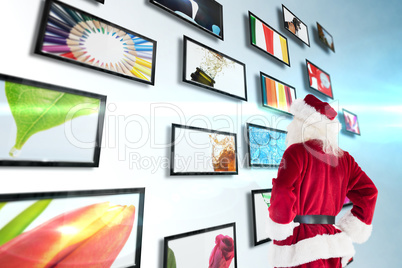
305, 112
310, 116
358, 231
278, 231
311, 249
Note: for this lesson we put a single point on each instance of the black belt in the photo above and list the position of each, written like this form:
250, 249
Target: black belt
315, 219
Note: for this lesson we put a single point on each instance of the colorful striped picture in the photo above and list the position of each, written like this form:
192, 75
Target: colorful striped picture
267, 39
319, 80
276, 94
75, 36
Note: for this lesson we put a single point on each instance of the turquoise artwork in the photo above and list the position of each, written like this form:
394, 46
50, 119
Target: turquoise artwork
266, 146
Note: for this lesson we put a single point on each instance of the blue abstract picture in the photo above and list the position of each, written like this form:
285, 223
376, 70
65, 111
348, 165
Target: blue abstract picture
266, 145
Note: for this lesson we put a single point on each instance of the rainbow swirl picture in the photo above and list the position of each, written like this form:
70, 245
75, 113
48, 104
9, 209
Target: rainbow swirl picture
72, 35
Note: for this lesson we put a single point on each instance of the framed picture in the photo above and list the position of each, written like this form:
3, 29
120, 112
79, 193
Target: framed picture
96, 228
347, 202
294, 25
49, 125
261, 202
351, 122
319, 80
205, 14
325, 37
72, 35
265, 145
210, 69
276, 94
265, 38
210, 247
200, 151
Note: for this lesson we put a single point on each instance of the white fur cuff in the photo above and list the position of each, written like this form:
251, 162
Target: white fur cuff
357, 230
278, 231
311, 249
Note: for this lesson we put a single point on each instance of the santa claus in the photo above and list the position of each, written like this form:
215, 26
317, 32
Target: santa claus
313, 180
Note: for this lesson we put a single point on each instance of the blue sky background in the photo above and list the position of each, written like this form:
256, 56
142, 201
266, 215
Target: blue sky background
370, 56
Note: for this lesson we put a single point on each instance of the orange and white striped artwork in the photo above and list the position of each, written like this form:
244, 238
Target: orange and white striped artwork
277, 94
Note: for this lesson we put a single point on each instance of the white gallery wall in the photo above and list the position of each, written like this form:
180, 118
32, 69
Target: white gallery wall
365, 73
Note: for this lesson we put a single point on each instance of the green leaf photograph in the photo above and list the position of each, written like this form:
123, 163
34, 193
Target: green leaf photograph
48, 124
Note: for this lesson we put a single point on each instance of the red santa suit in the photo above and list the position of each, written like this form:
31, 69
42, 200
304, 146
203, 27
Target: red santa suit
311, 182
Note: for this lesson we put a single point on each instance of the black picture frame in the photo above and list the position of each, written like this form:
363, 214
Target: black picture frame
259, 216
200, 57
318, 80
41, 211
295, 21
72, 35
209, 165
347, 120
283, 55
350, 261
288, 92
347, 203
169, 254
212, 13
322, 35
275, 153
38, 103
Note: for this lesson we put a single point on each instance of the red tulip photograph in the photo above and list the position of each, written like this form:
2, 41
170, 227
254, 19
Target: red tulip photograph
213, 247
223, 252
96, 231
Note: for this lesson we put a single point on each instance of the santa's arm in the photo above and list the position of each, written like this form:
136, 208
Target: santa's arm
282, 209
363, 194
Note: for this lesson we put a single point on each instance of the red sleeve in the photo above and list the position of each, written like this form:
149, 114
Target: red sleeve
362, 193
282, 209
356, 223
